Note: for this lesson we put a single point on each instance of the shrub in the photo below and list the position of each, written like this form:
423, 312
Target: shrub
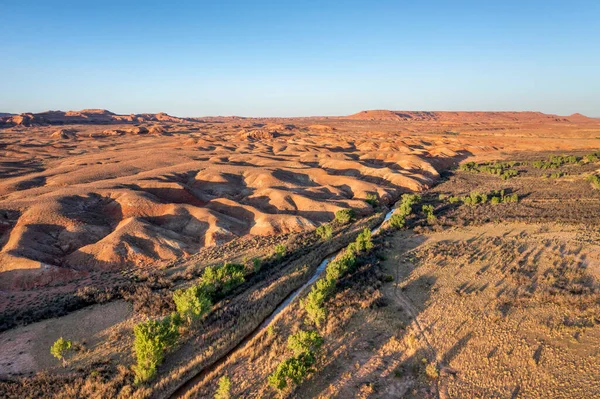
453, 199
345, 216
595, 181
325, 232
223, 278
397, 221
280, 250
407, 201
432, 371
372, 200
363, 242
495, 200
313, 303
60, 347
428, 209
192, 303
256, 264
295, 369
224, 389
304, 342
152, 339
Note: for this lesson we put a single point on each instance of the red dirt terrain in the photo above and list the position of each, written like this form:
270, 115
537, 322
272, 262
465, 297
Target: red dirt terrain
92, 190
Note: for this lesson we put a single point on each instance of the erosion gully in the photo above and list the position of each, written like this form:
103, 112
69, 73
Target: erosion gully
191, 383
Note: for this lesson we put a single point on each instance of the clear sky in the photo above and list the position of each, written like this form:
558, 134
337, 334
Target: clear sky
303, 57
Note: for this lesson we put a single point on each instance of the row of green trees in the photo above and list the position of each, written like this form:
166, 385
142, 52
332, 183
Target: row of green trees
154, 337
337, 268
502, 169
305, 344
475, 198
556, 161
407, 203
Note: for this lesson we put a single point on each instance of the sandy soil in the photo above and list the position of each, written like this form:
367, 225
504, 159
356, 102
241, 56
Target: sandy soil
26, 350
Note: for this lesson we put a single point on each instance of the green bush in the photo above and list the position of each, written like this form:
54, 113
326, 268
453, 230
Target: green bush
313, 303
428, 210
60, 347
222, 278
304, 341
224, 389
595, 181
152, 339
372, 200
304, 345
407, 201
256, 264
337, 268
454, 199
495, 200
192, 303
325, 231
280, 250
397, 221
345, 216
363, 242
295, 369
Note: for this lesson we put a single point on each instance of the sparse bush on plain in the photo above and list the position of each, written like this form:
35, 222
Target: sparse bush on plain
345, 216
432, 372
60, 348
495, 197
224, 389
502, 169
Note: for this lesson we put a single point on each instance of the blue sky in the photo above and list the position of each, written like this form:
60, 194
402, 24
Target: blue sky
299, 58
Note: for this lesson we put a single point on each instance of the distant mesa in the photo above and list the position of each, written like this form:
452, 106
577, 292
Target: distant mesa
86, 116
463, 116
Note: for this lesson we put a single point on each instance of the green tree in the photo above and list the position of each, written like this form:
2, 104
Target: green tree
60, 347
325, 231
304, 341
192, 303
345, 216
280, 250
152, 339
